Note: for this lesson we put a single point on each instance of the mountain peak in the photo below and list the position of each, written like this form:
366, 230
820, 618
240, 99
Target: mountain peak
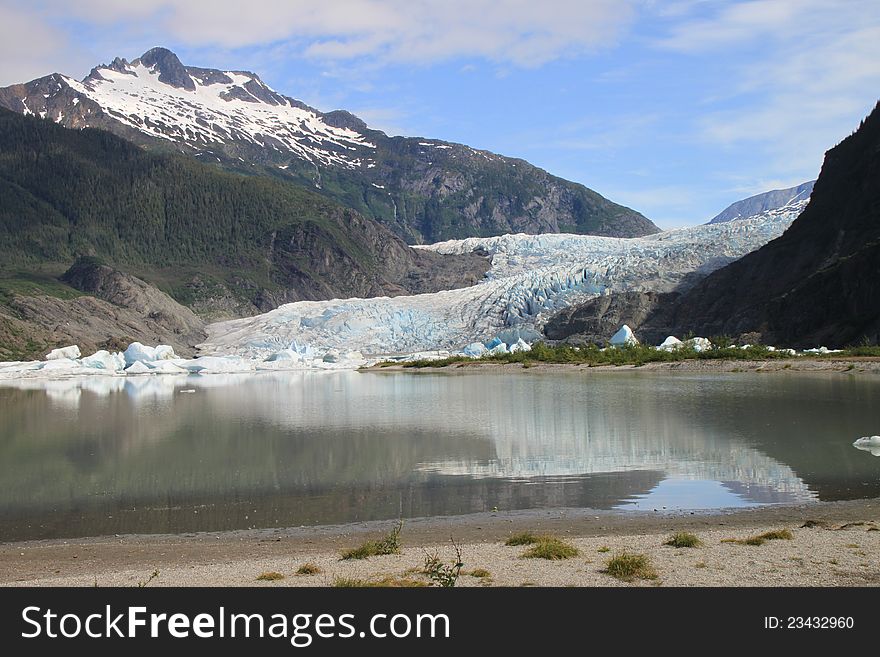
171, 71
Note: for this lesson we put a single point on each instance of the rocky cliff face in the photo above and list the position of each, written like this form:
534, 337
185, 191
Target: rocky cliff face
595, 321
424, 190
115, 310
818, 282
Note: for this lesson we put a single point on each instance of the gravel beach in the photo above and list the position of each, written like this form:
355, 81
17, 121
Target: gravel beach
831, 544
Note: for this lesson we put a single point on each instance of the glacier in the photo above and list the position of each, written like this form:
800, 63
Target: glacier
531, 277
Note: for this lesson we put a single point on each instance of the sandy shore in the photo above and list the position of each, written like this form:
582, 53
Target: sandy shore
839, 546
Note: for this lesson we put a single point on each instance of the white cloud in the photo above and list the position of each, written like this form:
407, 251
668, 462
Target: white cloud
29, 46
519, 32
797, 76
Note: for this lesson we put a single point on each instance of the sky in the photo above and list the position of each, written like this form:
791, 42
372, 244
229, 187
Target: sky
673, 108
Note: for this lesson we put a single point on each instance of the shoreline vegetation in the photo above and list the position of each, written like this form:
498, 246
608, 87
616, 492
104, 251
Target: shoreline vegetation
634, 355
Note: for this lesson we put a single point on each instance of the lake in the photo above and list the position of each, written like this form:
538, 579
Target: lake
152, 454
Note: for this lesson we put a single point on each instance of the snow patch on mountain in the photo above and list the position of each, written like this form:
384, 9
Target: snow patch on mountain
220, 108
532, 276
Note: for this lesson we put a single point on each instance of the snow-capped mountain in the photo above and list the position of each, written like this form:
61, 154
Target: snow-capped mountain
532, 276
424, 189
778, 199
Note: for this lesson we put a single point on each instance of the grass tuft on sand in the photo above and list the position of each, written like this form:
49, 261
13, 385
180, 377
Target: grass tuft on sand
270, 576
760, 539
385, 581
628, 566
309, 569
389, 544
552, 549
683, 540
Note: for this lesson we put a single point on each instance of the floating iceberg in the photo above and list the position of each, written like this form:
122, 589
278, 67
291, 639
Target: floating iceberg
70, 353
869, 444
138, 367
139, 352
104, 360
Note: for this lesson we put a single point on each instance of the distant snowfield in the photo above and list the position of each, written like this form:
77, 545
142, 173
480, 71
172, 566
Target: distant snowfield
532, 276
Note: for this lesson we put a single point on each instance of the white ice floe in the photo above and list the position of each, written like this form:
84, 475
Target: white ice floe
104, 360
139, 352
138, 367
70, 353
822, 350
623, 337
531, 277
869, 444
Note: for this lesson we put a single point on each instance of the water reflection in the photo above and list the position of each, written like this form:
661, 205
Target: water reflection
112, 455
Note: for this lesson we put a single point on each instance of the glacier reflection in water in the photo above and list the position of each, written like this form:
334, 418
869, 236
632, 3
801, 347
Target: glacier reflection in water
105, 455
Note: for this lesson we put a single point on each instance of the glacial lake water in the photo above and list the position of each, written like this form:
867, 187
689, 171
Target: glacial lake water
101, 455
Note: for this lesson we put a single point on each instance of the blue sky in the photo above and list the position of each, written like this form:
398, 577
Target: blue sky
674, 108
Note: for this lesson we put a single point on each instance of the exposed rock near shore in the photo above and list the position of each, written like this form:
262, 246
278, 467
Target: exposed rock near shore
117, 309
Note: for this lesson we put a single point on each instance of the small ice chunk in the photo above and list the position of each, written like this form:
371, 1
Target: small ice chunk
216, 364
494, 342
699, 344
137, 352
59, 364
671, 343
164, 352
138, 367
475, 350
520, 345
869, 444
624, 336
104, 360
166, 367
285, 355
72, 352
140, 352
498, 349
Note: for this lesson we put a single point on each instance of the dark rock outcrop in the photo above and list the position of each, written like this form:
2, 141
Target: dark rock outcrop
596, 320
160, 312
817, 284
